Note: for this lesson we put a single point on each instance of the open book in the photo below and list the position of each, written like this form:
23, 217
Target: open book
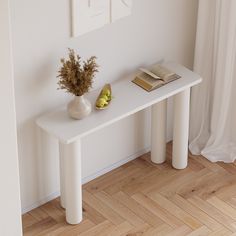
155, 77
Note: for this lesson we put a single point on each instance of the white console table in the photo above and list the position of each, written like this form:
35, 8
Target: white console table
129, 99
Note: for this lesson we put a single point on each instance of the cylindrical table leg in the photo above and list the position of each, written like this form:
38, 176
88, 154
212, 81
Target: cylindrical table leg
181, 130
73, 183
62, 175
158, 132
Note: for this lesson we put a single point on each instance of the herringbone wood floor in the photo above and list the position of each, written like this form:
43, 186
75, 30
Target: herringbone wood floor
141, 198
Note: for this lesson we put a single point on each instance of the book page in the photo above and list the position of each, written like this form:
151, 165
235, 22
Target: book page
165, 74
173, 77
153, 82
161, 71
154, 76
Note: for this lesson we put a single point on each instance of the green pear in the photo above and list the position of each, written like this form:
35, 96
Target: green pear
106, 92
101, 102
105, 97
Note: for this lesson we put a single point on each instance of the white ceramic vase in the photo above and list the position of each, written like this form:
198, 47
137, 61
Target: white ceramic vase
79, 107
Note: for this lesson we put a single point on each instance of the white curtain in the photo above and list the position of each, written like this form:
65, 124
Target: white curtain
213, 104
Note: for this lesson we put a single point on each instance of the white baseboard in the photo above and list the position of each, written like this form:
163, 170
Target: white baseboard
87, 179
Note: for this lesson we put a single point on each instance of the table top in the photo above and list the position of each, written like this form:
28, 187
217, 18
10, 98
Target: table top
128, 99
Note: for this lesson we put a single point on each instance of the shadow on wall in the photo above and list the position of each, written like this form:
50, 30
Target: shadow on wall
42, 169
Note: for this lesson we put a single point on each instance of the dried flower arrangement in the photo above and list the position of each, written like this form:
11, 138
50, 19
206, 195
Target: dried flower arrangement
74, 77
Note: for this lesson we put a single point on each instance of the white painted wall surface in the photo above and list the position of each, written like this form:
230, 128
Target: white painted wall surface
10, 208
156, 29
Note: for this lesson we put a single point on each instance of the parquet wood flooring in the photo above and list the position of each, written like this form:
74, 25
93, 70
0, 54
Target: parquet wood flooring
141, 198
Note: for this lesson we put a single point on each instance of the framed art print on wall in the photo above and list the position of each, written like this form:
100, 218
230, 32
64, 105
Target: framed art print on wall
88, 15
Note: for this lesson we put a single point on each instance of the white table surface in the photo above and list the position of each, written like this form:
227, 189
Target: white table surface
128, 99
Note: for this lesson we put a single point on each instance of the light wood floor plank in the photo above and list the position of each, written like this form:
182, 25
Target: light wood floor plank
121, 229
66, 230
132, 180
38, 214
179, 181
120, 209
223, 207
228, 192
138, 231
173, 209
160, 230
111, 179
40, 226
138, 209
213, 212
221, 232
203, 231
153, 207
106, 211
28, 220
181, 231
196, 212
98, 229
91, 214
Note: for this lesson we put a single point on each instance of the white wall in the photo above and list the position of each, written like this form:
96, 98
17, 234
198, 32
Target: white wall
10, 213
157, 29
